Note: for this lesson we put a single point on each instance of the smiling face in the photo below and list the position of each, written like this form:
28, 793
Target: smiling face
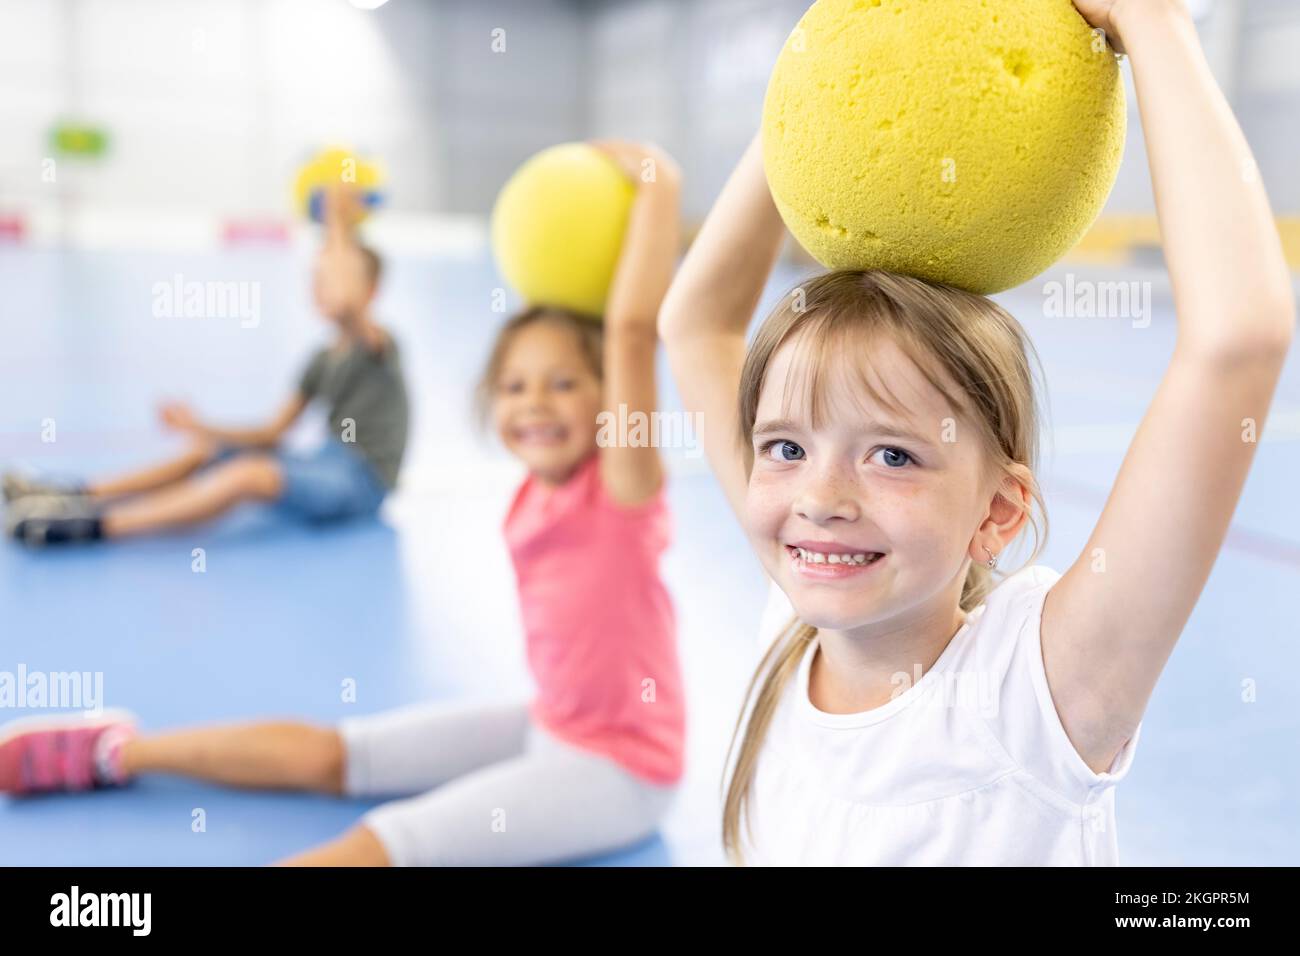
546, 399
863, 515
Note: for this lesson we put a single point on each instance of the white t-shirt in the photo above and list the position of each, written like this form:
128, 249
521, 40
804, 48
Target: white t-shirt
969, 766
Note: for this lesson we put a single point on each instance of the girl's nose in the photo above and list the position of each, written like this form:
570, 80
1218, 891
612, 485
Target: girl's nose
827, 495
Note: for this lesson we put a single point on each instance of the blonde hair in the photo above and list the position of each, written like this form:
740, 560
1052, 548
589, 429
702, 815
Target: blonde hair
590, 335
951, 336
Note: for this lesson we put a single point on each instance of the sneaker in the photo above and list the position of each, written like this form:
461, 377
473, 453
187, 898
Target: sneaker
74, 752
17, 485
52, 519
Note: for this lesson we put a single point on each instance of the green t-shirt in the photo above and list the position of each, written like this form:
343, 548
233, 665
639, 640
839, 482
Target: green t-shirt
366, 396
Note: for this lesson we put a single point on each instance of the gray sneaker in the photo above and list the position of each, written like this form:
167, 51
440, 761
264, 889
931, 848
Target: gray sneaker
16, 485
52, 519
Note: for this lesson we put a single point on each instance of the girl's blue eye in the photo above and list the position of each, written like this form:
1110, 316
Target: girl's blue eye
896, 453
784, 451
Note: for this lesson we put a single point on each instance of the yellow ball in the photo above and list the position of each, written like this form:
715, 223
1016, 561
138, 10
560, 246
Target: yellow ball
558, 225
970, 142
336, 165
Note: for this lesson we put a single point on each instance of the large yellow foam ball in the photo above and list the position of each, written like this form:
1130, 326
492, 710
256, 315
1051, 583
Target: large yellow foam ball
970, 142
558, 225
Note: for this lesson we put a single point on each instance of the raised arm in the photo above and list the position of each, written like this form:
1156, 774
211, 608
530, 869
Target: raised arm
710, 305
1111, 622
342, 212
633, 473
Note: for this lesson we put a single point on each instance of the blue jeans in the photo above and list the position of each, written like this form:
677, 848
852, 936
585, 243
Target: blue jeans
331, 482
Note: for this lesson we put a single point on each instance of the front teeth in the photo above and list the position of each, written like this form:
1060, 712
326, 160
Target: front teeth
544, 432
817, 557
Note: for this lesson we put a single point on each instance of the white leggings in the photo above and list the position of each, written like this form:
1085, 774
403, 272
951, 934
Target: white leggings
494, 788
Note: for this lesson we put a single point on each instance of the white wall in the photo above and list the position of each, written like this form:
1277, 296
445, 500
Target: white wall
212, 104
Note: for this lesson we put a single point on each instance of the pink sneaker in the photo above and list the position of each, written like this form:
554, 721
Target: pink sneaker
40, 754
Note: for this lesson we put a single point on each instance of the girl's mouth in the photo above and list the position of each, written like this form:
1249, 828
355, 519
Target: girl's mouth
540, 434
823, 565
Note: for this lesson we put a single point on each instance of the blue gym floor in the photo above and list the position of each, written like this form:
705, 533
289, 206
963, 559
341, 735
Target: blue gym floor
420, 605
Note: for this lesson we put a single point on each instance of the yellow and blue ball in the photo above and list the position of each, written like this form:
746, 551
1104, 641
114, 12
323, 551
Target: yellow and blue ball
337, 165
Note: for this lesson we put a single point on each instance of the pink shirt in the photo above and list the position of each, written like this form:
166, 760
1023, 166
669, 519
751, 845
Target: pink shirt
599, 623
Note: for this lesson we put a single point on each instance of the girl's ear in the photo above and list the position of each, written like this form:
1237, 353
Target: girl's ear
1009, 508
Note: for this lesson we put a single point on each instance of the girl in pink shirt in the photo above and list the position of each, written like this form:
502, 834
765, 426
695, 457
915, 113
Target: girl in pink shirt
593, 762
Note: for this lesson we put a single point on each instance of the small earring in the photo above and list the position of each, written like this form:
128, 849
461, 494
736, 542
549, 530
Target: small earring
992, 562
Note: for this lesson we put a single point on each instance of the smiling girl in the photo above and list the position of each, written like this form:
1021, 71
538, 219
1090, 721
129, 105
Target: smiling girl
887, 445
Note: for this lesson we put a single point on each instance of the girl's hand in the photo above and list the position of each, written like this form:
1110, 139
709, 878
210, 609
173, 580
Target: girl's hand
641, 162
1105, 15
178, 417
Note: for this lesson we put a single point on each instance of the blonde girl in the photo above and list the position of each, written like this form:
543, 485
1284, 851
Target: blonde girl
918, 709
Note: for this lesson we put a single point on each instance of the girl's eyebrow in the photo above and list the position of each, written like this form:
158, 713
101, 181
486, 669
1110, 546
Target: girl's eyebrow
777, 425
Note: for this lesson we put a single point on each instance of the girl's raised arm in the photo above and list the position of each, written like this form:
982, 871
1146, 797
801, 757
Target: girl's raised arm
709, 306
1112, 620
633, 473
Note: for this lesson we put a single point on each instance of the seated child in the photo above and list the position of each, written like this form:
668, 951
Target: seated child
358, 378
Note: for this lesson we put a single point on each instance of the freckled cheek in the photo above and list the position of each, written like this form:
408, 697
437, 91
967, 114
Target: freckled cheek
767, 505
918, 523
